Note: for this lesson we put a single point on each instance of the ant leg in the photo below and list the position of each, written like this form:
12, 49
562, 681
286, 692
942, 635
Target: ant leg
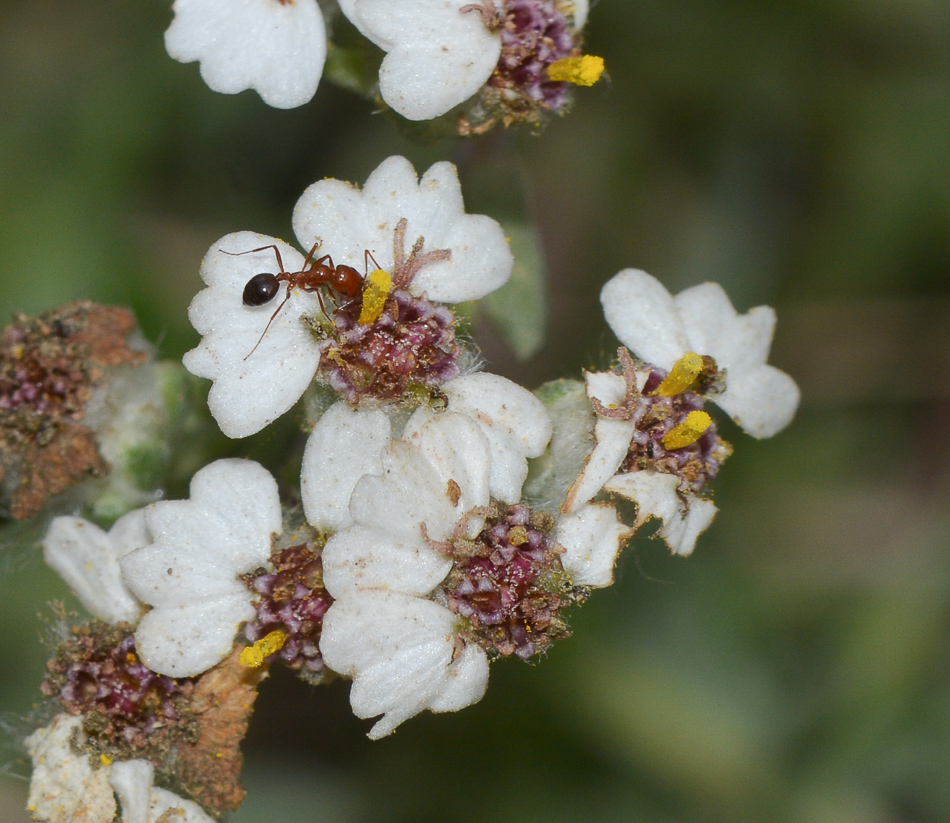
311, 253
280, 262
269, 322
367, 256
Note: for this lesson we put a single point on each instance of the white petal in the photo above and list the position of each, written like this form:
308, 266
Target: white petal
737, 342
513, 420
344, 445
189, 574
398, 650
612, 436
182, 811
64, 788
762, 400
656, 496
580, 13
132, 781
275, 48
351, 222
466, 682
592, 538
257, 376
642, 314
438, 56
142, 802
361, 558
459, 452
410, 492
187, 640
87, 558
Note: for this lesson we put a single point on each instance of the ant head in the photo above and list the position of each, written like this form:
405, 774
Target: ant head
260, 289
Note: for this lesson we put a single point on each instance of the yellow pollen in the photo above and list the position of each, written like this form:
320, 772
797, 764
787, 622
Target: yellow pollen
581, 71
105, 760
681, 376
687, 432
253, 656
518, 536
378, 286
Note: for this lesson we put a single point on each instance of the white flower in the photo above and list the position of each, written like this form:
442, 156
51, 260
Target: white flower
88, 558
189, 575
391, 627
276, 47
254, 386
660, 329
439, 52
346, 444
65, 788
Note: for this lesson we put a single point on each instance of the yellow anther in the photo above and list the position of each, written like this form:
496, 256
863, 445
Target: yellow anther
518, 536
378, 286
687, 432
581, 71
253, 656
105, 760
681, 376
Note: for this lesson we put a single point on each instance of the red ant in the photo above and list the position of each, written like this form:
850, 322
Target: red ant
262, 288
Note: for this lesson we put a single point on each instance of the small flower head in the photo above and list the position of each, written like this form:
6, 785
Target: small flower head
376, 342
507, 62
51, 368
290, 602
276, 47
127, 709
655, 442
435, 577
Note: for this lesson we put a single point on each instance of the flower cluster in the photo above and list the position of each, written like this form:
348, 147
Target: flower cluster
495, 63
433, 536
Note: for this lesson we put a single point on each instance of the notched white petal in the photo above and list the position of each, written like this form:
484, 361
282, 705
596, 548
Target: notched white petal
592, 538
184, 641
87, 558
409, 493
762, 400
437, 56
344, 445
612, 441
64, 788
642, 314
398, 650
257, 375
278, 49
656, 496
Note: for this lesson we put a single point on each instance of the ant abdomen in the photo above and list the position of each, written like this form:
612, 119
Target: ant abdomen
260, 289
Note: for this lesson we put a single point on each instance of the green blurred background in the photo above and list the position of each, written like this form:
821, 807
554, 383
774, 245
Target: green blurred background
797, 668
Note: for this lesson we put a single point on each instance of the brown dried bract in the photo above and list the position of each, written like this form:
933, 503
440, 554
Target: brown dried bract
222, 703
49, 367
